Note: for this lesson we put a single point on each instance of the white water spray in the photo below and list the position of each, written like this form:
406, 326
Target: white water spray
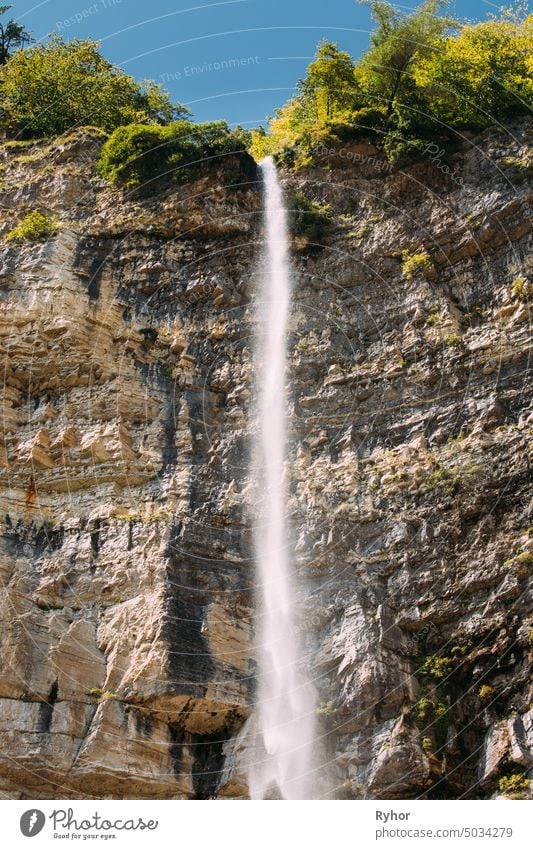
285, 706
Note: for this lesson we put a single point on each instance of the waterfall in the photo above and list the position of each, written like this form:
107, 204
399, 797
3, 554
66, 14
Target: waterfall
283, 753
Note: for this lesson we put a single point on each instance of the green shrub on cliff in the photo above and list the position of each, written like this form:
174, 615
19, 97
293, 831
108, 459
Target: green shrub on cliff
326, 709
514, 786
57, 85
424, 708
437, 667
35, 227
416, 262
485, 693
138, 153
521, 289
308, 219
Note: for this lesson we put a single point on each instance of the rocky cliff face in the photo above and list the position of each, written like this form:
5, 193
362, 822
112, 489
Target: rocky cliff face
127, 581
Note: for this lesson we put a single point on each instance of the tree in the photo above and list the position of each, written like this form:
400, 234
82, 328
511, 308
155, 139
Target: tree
328, 93
482, 75
12, 36
398, 41
329, 84
421, 72
55, 86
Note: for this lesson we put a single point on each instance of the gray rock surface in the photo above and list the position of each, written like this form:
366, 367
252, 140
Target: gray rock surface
127, 577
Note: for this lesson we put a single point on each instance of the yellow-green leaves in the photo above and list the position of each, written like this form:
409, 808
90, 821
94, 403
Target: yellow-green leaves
35, 227
481, 75
56, 86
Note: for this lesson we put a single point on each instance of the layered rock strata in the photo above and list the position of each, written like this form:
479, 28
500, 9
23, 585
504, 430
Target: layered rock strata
127, 575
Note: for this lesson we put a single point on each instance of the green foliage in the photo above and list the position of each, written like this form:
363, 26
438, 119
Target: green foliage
521, 289
308, 219
400, 40
427, 744
57, 85
367, 121
461, 650
453, 340
243, 136
480, 76
442, 721
139, 153
323, 107
101, 694
447, 480
304, 345
328, 87
13, 36
424, 75
262, 145
326, 709
424, 708
485, 693
514, 786
400, 150
441, 710
519, 169
525, 557
35, 227
430, 710
416, 262
523, 560
437, 667
441, 477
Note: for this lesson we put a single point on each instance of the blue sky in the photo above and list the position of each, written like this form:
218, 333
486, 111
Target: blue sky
231, 59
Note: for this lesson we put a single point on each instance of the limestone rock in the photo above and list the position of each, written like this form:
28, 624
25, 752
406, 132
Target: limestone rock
126, 552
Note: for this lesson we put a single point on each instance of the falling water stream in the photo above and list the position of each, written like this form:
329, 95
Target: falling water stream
283, 753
